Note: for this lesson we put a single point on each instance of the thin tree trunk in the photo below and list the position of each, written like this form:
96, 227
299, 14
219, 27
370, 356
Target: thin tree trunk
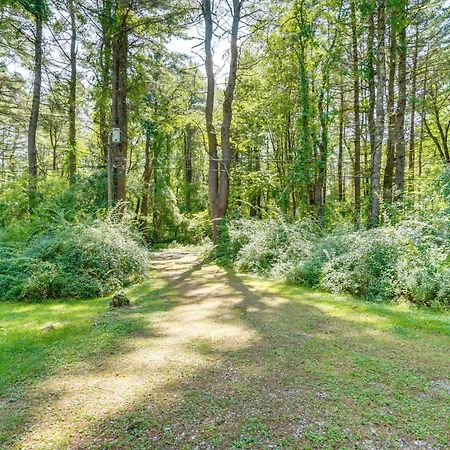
422, 116
72, 95
188, 173
322, 157
104, 98
371, 81
381, 80
356, 109
412, 136
147, 174
341, 193
390, 147
400, 154
105, 77
34, 115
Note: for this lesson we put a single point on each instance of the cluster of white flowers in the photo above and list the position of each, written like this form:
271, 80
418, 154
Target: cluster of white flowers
409, 260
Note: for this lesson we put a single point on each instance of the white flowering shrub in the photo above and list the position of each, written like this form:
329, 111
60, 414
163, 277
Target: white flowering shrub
407, 261
74, 261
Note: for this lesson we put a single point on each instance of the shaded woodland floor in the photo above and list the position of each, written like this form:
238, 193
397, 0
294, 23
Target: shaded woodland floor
206, 358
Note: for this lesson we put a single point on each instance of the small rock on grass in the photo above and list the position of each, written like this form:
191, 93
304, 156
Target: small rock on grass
120, 299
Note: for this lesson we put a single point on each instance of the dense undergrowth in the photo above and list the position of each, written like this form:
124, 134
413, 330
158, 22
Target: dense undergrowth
407, 261
70, 247
73, 261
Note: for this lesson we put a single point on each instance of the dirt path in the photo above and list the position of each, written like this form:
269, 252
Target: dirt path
239, 363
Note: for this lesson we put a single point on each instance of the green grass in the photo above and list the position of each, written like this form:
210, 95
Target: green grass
38, 340
211, 358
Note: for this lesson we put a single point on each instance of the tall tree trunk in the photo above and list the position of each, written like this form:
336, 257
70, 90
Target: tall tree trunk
213, 177
255, 196
147, 174
381, 80
72, 95
322, 154
422, 116
219, 174
341, 185
400, 153
103, 100
224, 183
412, 125
104, 97
390, 147
119, 111
188, 172
34, 115
371, 80
356, 109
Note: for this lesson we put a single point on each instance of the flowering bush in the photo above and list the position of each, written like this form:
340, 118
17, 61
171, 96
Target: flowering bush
409, 261
76, 261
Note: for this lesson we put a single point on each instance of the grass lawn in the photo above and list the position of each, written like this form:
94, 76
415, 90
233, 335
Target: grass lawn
208, 359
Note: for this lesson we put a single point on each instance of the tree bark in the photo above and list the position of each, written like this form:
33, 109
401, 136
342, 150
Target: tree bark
381, 80
412, 125
119, 110
224, 183
390, 147
104, 96
341, 186
188, 172
400, 153
34, 114
371, 80
219, 174
72, 95
213, 177
147, 174
356, 109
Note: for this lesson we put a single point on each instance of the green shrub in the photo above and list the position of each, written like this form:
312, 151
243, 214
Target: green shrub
193, 228
73, 261
366, 268
409, 261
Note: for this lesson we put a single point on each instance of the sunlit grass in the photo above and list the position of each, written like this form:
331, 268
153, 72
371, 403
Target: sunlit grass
208, 356
380, 315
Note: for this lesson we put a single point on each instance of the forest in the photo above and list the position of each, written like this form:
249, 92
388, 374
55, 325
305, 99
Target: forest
236, 173
277, 126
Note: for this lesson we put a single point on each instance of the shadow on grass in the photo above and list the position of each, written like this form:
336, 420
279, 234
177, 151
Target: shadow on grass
39, 341
274, 365
306, 378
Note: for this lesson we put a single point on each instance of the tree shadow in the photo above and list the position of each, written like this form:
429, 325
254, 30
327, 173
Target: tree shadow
245, 366
70, 339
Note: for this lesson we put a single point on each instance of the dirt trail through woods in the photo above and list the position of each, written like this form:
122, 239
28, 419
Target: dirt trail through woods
230, 363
